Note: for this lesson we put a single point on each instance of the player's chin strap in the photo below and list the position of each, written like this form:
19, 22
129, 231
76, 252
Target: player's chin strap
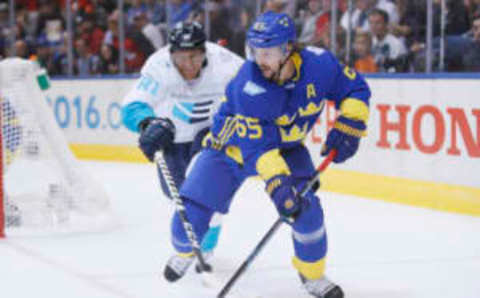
275, 227
276, 78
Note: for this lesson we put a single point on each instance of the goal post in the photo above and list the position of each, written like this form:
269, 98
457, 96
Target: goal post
43, 188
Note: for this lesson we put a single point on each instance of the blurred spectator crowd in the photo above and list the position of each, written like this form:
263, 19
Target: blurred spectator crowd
376, 36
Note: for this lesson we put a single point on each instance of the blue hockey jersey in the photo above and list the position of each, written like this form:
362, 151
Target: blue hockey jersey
258, 117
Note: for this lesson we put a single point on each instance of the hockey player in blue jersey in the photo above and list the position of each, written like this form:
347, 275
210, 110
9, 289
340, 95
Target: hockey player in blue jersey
268, 109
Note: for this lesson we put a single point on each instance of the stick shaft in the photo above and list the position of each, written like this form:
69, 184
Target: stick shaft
180, 208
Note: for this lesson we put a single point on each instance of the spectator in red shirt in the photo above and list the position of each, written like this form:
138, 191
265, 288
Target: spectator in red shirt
91, 33
322, 24
134, 58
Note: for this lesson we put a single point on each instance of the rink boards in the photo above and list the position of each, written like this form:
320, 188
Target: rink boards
422, 148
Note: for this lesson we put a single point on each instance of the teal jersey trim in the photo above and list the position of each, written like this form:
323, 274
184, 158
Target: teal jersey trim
133, 113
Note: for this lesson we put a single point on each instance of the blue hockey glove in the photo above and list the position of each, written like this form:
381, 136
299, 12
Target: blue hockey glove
155, 134
345, 137
284, 195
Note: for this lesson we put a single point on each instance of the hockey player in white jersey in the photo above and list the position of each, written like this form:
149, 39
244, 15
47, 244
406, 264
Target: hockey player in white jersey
172, 103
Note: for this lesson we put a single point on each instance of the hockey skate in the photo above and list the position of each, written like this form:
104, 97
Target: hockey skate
322, 288
178, 265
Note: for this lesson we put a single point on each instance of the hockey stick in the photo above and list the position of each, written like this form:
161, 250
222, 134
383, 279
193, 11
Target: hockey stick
274, 228
180, 208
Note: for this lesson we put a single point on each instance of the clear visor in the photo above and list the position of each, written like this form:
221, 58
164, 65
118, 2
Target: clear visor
267, 55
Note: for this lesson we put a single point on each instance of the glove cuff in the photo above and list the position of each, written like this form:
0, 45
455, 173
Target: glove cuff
273, 183
349, 130
350, 127
164, 122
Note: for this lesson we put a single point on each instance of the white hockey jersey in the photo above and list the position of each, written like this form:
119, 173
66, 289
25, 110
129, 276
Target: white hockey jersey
190, 105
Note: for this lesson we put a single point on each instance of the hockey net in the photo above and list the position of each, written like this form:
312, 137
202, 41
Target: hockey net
43, 187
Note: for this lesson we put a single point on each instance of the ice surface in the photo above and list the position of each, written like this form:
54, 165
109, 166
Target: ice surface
376, 249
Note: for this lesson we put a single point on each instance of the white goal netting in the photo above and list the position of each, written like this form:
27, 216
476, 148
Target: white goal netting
44, 189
